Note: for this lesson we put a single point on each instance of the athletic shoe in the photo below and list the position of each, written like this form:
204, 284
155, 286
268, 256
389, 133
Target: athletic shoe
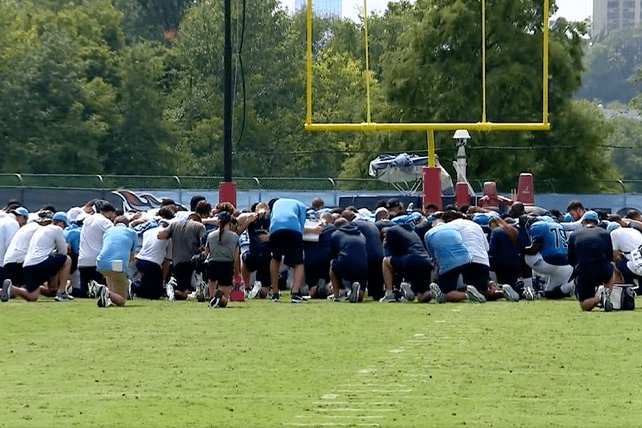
297, 298
529, 292
408, 294
275, 297
200, 291
91, 292
436, 293
323, 289
355, 290
572, 293
605, 299
509, 293
216, 300
101, 290
5, 294
130, 290
256, 289
62, 297
342, 297
473, 295
169, 288
388, 298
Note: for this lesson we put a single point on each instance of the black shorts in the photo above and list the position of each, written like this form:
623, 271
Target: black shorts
288, 244
375, 279
415, 270
37, 275
223, 272
316, 269
477, 275
182, 273
16, 273
448, 280
256, 261
588, 278
348, 272
88, 274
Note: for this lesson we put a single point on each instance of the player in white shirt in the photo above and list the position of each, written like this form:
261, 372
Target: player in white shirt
152, 261
45, 262
477, 273
626, 243
19, 246
91, 242
9, 225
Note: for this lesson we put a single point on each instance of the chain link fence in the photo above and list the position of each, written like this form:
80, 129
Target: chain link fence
113, 182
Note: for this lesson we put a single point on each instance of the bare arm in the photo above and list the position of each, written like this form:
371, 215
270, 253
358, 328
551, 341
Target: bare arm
163, 234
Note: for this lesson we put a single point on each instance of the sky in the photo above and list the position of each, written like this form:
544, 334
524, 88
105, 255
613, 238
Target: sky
572, 10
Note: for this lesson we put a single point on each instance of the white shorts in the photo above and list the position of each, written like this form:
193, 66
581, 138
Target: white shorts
555, 275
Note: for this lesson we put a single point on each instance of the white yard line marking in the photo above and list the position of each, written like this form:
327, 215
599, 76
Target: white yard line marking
355, 410
374, 390
339, 416
330, 424
375, 403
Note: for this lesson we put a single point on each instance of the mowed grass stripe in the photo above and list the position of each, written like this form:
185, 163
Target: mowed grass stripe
257, 363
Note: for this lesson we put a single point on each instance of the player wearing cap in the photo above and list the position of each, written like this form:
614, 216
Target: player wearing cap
46, 262
9, 225
19, 246
590, 252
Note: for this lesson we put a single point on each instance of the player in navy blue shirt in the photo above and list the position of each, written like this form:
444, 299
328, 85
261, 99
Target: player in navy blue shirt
349, 260
406, 257
590, 252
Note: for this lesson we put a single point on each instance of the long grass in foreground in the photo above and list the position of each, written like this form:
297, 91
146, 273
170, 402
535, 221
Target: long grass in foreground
264, 364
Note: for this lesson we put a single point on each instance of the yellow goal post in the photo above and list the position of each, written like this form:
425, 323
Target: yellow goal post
482, 125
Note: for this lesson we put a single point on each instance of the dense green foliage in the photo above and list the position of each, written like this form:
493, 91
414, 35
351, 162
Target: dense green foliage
262, 364
135, 87
611, 66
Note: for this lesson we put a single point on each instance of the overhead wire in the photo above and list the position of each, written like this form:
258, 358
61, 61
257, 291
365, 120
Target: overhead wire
240, 35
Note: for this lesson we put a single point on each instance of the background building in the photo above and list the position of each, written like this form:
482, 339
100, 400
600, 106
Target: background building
609, 15
328, 8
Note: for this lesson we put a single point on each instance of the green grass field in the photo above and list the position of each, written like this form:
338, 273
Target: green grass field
264, 364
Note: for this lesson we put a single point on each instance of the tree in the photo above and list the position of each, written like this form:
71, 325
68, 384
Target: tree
139, 143
432, 73
611, 67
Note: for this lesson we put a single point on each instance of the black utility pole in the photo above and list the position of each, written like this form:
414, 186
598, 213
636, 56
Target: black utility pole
227, 189
227, 100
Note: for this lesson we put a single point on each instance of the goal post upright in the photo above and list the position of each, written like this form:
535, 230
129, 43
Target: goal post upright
430, 173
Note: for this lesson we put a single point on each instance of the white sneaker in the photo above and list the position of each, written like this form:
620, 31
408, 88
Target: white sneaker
256, 288
509, 293
5, 294
101, 291
169, 288
91, 292
407, 291
473, 295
